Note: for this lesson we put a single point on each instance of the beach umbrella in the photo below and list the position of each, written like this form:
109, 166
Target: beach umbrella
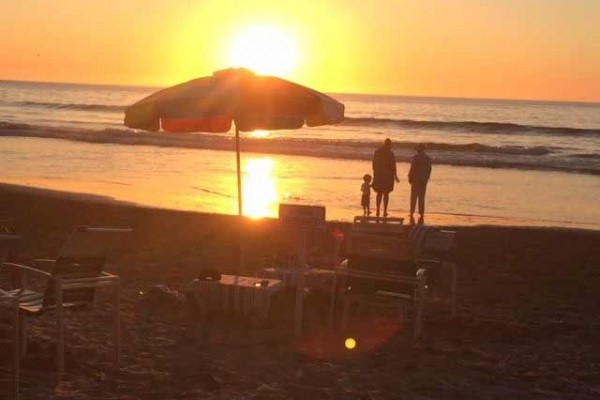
249, 101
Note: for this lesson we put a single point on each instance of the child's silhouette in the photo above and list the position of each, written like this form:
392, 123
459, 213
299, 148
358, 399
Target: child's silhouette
365, 200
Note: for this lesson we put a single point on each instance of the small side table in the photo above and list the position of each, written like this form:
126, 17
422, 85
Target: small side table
252, 294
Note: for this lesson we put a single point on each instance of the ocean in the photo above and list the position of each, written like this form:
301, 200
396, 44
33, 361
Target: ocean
495, 161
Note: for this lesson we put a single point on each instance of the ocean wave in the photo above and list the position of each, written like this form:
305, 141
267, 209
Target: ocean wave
469, 148
590, 156
472, 154
470, 126
70, 106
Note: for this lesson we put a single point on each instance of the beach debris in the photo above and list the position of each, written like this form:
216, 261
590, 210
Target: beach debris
162, 304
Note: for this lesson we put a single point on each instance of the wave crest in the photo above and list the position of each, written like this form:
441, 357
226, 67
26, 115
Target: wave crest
471, 154
470, 126
71, 106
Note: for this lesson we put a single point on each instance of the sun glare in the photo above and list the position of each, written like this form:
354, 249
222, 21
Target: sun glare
264, 49
260, 191
259, 134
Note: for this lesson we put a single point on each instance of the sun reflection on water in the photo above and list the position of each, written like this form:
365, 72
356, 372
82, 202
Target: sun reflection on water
259, 188
259, 134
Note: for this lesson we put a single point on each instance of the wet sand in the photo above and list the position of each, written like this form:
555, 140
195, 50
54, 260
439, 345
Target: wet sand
527, 327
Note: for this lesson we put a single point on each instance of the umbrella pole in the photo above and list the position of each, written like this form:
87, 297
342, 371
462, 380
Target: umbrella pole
239, 173
236, 297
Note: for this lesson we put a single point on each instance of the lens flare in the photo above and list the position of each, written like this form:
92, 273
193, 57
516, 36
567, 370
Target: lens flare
350, 343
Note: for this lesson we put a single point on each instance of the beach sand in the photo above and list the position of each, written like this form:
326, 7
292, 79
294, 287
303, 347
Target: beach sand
528, 325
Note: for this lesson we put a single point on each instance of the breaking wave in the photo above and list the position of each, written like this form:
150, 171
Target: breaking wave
470, 154
70, 106
469, 126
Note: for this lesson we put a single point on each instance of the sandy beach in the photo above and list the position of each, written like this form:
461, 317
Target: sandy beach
188, 124
527, 324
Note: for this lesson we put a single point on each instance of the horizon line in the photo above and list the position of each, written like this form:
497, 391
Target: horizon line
588, 102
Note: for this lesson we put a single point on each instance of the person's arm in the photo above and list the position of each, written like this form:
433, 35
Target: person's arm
411, 171
428, 168
373, 163
394, 167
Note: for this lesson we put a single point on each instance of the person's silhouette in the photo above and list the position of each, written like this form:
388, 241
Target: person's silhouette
384, 175
418, 176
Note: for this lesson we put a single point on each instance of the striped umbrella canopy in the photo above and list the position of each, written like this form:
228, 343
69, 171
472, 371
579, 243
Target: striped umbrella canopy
252, 102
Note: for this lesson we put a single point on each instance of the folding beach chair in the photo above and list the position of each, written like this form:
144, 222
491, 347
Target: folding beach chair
380, 271
74, 278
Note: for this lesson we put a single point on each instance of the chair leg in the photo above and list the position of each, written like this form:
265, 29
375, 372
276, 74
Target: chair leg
332, 301
117, 323
401, 312
419, 312
453, 294
346, 312
298, 311
60, 348
361, 308
17, 355
24, 325
267, 306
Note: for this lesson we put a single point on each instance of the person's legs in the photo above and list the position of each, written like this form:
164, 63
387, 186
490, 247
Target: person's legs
413, 198
386, 199
422, 190
378, 200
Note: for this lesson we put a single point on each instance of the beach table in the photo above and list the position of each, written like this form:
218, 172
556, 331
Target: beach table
253, 295
312, 278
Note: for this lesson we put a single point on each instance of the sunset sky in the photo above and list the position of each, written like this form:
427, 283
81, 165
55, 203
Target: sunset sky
522, 49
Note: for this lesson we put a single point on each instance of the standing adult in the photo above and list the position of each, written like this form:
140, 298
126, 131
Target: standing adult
384, 174
418, 176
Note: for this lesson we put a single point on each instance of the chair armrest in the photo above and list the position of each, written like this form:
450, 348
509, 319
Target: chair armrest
11, 294
108, 230
25, 268
44, 260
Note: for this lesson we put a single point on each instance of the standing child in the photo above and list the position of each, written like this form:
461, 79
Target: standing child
365, 200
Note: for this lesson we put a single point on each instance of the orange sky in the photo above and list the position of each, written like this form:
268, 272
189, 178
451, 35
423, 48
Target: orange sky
536, 49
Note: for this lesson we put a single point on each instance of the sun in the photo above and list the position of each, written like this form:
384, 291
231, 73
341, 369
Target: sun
266, 50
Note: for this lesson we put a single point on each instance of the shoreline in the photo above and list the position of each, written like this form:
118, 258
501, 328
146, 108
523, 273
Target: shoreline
444, 220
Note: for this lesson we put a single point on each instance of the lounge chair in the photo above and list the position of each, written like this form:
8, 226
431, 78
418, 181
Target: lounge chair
72, 282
